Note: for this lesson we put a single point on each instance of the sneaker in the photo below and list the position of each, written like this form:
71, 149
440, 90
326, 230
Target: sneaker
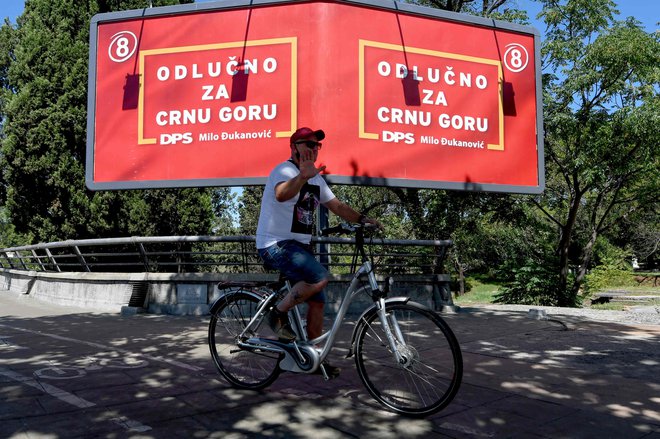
330, 370
279, 323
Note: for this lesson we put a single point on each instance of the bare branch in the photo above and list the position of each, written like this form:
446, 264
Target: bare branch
547, 214
496, 4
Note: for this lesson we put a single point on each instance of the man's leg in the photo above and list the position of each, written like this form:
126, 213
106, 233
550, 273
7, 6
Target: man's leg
314, 319
295, 261
300, 292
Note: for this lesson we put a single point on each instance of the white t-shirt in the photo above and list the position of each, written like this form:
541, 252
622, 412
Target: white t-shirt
293, 218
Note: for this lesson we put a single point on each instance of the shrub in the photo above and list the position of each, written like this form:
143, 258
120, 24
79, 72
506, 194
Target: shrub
535, 283
609, 274
613, 268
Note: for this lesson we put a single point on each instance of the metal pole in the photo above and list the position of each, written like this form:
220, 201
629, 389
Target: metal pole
11, 264
36, 256
52, 259
81, 259
145, 259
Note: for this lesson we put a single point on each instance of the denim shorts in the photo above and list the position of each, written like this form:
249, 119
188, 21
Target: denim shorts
296, 261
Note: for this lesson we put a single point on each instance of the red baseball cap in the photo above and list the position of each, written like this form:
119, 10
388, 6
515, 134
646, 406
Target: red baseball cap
305, 133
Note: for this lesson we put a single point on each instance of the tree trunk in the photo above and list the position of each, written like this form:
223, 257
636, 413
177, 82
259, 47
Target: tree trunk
585, 260
461, 276
563, 248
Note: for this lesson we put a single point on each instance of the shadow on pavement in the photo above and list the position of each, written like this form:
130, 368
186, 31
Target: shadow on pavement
148, 376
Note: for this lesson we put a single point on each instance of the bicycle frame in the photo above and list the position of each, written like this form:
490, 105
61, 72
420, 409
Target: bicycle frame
327, 339
395, 338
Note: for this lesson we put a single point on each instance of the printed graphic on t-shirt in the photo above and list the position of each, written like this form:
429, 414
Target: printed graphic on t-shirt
303, 211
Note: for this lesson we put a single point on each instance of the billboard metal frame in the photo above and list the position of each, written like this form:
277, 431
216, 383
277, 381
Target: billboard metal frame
392, 6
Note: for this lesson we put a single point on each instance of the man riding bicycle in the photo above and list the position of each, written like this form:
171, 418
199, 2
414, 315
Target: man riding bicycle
286, 222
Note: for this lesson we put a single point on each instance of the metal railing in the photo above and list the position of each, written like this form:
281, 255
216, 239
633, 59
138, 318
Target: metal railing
227, 254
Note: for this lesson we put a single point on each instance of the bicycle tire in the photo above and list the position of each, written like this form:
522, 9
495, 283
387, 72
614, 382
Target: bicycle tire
241, 368
433, 371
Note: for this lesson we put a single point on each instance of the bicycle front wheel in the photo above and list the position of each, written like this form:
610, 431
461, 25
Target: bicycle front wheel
245, 369
428, 372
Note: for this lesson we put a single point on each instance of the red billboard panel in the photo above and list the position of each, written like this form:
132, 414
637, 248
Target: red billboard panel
192, 96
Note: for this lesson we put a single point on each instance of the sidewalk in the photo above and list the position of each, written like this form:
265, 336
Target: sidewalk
69, 373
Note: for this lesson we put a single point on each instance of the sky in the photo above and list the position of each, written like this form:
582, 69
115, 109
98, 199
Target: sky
646, 11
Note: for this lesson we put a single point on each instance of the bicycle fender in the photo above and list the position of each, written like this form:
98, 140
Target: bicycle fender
221, 300
363, 318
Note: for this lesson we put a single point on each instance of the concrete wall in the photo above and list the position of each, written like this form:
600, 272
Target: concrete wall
186, 294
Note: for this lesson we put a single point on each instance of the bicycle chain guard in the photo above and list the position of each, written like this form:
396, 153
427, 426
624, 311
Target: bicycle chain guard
292, 362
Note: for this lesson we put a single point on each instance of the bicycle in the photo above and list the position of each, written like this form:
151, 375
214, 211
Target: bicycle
406, 355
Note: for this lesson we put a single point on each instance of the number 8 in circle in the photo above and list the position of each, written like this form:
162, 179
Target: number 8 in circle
516, 57
122, 46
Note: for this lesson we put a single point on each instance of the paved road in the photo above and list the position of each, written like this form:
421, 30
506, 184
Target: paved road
67, 373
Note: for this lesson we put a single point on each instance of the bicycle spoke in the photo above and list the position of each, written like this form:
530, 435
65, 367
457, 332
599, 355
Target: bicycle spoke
429, 373
243, 368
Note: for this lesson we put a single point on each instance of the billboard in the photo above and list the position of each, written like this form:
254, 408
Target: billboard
208, 95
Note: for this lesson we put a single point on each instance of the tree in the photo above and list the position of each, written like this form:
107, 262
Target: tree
43, 74
249, 204
601, 136
223, 201
481, 7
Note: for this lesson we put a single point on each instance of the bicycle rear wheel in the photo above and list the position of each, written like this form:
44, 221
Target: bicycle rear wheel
430, 373
245, 369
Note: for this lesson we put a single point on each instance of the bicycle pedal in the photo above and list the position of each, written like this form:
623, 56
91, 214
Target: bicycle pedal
328, 371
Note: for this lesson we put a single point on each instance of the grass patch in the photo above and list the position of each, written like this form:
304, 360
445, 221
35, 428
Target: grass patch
482, 291
622, 305
610, 306
637, 290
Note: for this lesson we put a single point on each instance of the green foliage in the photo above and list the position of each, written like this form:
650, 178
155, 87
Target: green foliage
8, 235
376, 202
43, 111
601, 110
497, 9
607, 275
224, 210
534, 283
248, 209
607, 253
613, 269
501, 239
174, 212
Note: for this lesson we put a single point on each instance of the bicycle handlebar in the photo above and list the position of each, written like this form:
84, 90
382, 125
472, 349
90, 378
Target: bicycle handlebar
337, 230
